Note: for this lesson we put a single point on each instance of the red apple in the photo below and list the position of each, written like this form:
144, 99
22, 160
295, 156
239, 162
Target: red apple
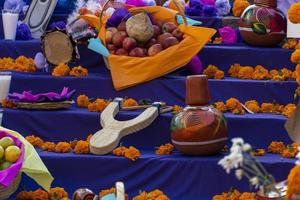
118, 37
151, 42
155, 49
178, 34
121, 52
157, 31
129, 43
138, 52
109, 34
170, 41
163, 36
169, 27
122, 26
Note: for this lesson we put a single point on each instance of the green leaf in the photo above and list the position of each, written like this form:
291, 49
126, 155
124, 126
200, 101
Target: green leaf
259, 28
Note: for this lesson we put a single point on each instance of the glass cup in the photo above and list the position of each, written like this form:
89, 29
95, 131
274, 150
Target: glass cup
10, 23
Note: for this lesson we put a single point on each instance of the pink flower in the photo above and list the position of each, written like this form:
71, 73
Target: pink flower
228, 35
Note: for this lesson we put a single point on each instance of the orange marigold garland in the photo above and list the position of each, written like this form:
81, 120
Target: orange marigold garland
267, 107
83, 101
40, 194
79, 71
165, 149
58, 193
49, 146
246, 72
290, 43
290, 151
61, 70
293, 182
154, 195
37, 142
260, 73
259, 152
253, 106
239, 6
82, 147
234, 70
97, 106
63, 147
294, 13
112, 190
235, 106
220, 106
130, 102
219, 75
210, 71
276, 147
21, 64
289, 110
295, 58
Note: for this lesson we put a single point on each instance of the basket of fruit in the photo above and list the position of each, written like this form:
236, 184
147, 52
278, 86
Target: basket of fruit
12, 156
144, 43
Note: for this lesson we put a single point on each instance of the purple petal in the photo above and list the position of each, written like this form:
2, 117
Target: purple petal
118, 16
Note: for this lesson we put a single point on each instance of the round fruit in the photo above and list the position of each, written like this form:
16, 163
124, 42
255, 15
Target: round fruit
6, 142
178, 34
5, 165
118, 37
169, 27
150, 43
109, 34
129, 43
122, 26
121, 52
12, 153
1, 152
157, 31
170, 41
155, 49
163, 36
138, 52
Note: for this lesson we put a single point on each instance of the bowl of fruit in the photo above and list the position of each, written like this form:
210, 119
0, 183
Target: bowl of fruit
143, 43
11, 161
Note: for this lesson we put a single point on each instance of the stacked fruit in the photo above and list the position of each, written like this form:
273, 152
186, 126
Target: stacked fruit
123, 40
9, 152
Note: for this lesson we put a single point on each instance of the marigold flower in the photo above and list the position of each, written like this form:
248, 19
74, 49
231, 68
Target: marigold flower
247, 196
278, 78
246, 72
278, 108
234, 195
290, 43
6, 103
297, 92
132, 153
155, 193
120, 151
177, 109
223, 196
63, 147
293, 182
260, 73
40, 194
82, 147
267, 107
273, 73
25, 64
112, 190
298, 45
141, 196
286, 73
219, 75
165, 149
130, 103
294, 75
290, 152
24, 195
73, 143
233, 103
162, 197
253, 106
239, 6
259, 152
220, 106
37, 142
88, 139
49, 146
98, 106
295, 58
294, 13
289, 110
79, 71
210, 71
57, 193
234, 70
238, 111
61, 70
83, 101
217, 40
276, 147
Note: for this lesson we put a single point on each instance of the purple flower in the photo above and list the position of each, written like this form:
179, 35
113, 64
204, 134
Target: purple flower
223, 7
23, 32
195, 8
136, 3
228, 35
209, 11
209, 2
58, 25
14, 5
118, 16
195, 65
40, 61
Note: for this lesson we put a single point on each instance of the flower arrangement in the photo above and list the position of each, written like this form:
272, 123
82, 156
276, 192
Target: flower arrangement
64, 70
244, 163
20, 64
53, 194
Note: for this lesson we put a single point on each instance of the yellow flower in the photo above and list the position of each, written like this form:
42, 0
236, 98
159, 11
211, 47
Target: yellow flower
83, 101
267, 107
220, 106
130, 103
234, 70
35, 141
253, 106
259, 152
289, 110
132, 153
295, 58
61, 70
239, 6
294, 13
165, 149
260, 73
63, 147
82, 147
293, 182
219, 74
276, 147
210, 71
79, 71
246, 72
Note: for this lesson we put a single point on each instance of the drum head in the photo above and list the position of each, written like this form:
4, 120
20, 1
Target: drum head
58, 47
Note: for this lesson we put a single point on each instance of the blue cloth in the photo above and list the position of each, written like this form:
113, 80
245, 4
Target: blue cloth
180, 177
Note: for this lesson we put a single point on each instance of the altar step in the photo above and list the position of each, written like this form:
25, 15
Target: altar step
258, 129
180, 177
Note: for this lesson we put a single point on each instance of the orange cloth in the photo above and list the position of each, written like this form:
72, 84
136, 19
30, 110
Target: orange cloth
129, 71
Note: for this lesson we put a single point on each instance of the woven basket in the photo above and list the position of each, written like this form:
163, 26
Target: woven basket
7, 192
45, 106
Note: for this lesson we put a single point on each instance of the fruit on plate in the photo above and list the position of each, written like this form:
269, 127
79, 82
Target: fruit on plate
5, 165
6, 142
12, 153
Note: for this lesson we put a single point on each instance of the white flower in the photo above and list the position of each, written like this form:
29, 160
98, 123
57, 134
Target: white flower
232, 161
237, 141
247, 147
239, 174
254, 181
